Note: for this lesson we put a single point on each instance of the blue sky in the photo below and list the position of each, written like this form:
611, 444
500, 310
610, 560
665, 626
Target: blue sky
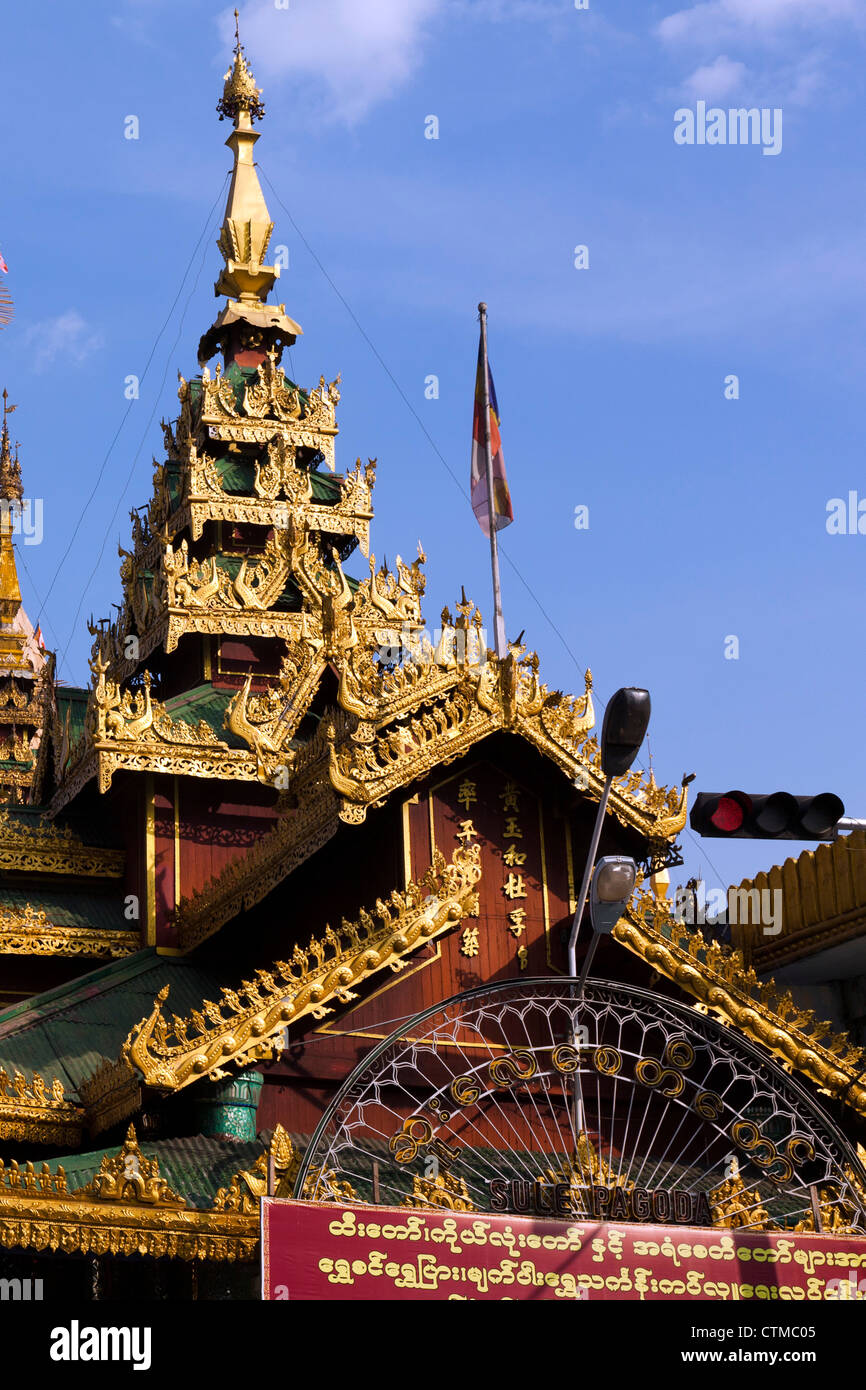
707, 515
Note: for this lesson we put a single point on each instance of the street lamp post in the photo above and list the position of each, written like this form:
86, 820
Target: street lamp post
622, 733
625, 724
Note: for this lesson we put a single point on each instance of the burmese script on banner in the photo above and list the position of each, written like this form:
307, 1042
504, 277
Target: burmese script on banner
313, 1250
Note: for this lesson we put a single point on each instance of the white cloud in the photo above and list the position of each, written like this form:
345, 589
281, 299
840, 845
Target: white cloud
715, 81
718, 20
348, 56
68, 336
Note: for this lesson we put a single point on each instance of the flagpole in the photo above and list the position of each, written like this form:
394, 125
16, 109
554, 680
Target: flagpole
498, 620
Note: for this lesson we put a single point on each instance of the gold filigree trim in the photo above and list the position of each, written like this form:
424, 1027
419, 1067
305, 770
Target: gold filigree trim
110, 1094
445, 1192
37, 1111
126, 1209
130, 1178
28, 931
50, 849
237, 1028
248, 1187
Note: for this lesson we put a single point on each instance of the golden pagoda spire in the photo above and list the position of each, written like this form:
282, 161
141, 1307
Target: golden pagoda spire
11, 489
247, 327
12, 642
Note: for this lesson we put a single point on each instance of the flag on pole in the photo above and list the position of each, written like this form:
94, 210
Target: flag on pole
502, 512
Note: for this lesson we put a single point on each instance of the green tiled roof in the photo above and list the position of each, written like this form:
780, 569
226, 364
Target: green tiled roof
194, 1167
70, 909
67, 1031
208, 704
236, 473
326, 486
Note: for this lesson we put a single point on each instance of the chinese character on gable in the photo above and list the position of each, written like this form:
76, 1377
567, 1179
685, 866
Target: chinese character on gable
509, 797
469, 943
467, 792
514, 887
514, 858
512, 829
517, 921
467, 832
523, 957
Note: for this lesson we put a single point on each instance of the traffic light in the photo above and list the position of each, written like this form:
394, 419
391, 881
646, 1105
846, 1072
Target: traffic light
780, 816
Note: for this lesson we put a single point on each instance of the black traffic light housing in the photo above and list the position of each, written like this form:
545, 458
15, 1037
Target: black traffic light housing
740, 815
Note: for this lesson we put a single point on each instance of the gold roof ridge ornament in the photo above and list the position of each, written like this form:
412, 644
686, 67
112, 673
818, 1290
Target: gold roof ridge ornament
37, 1111
52, 849
393, 727
127, 1208
248, 1186
247, 321
717, 977
242, 1025
129, 1177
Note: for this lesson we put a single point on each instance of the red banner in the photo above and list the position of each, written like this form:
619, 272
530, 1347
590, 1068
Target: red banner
311, 1250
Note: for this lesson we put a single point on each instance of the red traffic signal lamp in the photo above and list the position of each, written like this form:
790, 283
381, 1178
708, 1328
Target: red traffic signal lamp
780, 816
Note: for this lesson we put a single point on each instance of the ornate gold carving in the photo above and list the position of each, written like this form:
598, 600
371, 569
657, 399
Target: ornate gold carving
130, 1178
272, 406
395, 726
125, 1210
735, 1207
110, 1094
50, 849
28, 931
718, 978
37, 1111
247, 1187
444, 1191
238, 1027
130, 729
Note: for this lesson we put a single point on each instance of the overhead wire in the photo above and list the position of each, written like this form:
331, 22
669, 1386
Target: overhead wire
434, 446
101, 473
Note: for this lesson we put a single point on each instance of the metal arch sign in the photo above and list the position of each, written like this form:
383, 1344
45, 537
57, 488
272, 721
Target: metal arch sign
521, 1100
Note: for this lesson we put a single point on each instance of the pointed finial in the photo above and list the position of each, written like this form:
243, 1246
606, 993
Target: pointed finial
11, 489
247, 324
240, 93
